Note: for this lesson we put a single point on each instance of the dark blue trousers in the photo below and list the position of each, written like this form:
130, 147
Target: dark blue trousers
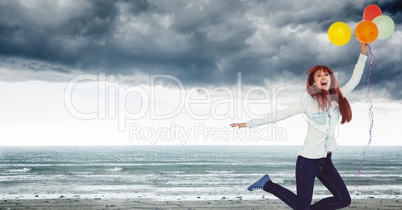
306, 172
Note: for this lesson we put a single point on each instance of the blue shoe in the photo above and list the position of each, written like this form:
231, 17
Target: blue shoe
259, 184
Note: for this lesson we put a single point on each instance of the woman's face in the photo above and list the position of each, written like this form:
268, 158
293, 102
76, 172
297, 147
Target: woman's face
322, 80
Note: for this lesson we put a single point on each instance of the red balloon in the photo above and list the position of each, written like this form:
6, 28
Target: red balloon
372, 11
366, 32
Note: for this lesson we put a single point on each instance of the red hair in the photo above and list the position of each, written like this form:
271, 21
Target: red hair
324, 97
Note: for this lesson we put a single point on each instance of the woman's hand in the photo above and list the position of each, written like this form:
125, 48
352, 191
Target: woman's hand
240, 125
363, 48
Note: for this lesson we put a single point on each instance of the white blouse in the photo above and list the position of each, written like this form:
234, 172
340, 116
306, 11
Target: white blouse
320, 137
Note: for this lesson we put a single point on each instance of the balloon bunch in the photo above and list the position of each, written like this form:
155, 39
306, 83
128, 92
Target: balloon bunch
374, 26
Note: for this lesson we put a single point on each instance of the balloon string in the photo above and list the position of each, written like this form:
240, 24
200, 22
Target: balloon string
371, 117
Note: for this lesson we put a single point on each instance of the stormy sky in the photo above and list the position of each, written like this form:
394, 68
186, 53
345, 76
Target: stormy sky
199, 42
45, 44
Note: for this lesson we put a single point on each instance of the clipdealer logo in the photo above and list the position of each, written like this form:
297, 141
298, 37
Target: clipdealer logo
112, 104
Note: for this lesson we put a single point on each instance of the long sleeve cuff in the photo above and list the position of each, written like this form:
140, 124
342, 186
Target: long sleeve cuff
362, 58
250, 123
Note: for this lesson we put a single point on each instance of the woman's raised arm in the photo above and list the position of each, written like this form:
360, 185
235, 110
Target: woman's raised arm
357, 72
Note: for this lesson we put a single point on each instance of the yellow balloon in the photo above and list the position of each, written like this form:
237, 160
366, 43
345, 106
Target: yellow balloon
339, 33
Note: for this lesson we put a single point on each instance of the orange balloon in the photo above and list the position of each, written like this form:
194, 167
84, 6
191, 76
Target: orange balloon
371, 11
366, 32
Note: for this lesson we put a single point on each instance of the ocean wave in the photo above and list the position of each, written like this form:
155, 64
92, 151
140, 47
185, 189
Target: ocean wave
220, 172
80, 173
20, 170
115, 169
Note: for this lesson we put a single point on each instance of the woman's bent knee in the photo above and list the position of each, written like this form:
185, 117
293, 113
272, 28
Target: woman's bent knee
346, 201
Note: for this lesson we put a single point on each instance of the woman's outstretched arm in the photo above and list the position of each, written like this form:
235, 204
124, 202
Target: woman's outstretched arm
357, 72
294, 109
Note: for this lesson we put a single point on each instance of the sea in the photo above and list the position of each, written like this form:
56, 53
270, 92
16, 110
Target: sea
184, 172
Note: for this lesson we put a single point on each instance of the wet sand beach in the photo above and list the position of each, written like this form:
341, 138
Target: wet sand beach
238, 204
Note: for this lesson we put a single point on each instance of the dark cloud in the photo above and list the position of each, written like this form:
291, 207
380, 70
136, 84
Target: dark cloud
393, 8
199, 42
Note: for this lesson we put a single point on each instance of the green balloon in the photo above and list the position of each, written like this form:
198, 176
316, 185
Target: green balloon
385, 26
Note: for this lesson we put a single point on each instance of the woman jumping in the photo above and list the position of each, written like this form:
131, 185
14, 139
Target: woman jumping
322, 103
